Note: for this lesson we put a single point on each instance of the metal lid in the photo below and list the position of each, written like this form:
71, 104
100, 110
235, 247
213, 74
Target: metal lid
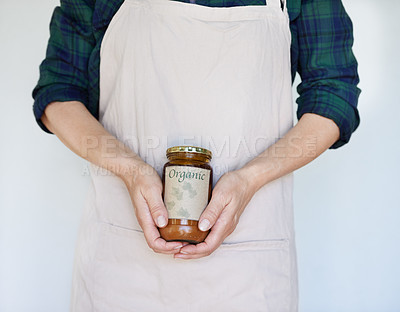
189, 149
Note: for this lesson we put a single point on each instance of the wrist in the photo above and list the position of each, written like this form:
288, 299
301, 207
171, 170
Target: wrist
126, 167
249, 177
257, 173
134, 171
117, 158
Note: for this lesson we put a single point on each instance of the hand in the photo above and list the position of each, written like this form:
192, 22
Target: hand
229, 198
145, 188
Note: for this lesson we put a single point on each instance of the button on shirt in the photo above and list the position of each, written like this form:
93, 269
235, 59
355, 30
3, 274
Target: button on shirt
321, 52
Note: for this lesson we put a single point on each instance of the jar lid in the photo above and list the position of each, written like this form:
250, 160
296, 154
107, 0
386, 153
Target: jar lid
189, 149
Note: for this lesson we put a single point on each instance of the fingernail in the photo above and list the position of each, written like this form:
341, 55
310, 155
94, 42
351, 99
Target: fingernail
177, 247
183, 252
203, 226
161, 221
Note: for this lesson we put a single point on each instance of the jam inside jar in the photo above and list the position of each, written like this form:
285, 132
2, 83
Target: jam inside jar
187, 184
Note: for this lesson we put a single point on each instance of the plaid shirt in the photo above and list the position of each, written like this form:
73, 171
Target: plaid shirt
322, 37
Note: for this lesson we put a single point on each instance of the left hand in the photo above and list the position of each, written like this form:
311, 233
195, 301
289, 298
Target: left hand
229, 198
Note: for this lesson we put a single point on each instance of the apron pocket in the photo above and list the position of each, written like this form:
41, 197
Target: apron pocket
246, 276
257, 245
256, 275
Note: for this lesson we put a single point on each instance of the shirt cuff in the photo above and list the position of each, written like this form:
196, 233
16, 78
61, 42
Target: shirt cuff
332, 106
55, 93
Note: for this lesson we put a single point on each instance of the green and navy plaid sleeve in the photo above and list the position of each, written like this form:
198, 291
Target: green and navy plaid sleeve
322, 48
64, 72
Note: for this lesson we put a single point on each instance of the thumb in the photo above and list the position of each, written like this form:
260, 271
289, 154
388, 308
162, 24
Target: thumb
157, 209
210, 215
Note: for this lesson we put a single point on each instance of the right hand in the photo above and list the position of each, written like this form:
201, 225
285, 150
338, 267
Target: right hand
145, 189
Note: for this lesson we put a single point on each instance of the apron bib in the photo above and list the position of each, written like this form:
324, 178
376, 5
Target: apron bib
171, 74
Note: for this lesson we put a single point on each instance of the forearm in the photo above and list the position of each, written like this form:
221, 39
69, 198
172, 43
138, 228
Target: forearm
72, 123
311, 136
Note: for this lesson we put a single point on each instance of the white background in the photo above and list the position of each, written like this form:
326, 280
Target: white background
347, 202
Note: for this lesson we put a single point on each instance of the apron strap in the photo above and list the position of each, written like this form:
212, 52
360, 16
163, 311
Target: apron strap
283, 5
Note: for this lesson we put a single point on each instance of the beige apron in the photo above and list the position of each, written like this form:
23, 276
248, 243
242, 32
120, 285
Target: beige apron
175, 73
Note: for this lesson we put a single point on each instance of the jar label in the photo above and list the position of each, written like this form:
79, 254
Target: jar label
186, 191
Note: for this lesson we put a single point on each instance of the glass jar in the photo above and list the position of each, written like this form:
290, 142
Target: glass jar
187, 184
